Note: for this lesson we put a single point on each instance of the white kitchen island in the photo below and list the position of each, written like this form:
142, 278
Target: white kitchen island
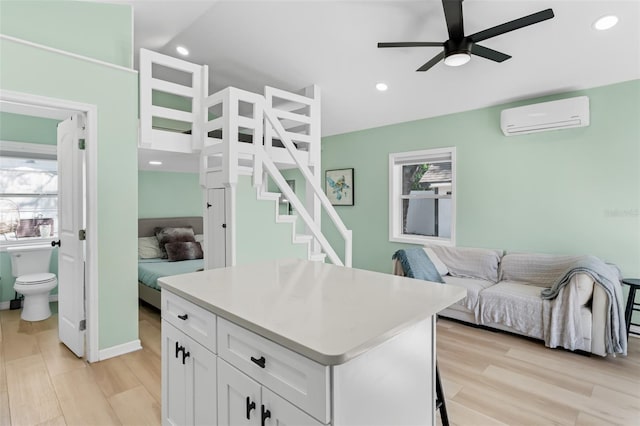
294, 342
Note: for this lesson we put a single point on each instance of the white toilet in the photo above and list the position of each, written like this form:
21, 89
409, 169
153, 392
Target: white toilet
30, 267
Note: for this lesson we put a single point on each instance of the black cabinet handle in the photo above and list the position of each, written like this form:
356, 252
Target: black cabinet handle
266, 414
185, 355
55, 243
259, 362
183, 317
250, 406
178, 349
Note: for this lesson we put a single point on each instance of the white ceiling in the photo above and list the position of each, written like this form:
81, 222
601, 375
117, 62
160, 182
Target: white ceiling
293, 44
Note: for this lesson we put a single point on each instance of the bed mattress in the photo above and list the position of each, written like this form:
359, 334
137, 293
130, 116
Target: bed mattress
149, 270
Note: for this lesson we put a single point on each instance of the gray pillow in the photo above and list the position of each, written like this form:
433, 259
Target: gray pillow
183, 251
173, 235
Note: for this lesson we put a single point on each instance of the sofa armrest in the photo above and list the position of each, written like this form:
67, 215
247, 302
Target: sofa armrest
598, 320
588, 290
397, 268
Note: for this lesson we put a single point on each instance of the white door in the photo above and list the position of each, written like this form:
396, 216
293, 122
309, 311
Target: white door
71, 308
216, 229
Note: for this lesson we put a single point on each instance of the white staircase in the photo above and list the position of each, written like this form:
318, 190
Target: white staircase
239, 132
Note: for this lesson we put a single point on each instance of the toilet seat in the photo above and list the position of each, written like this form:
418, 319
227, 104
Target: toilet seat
33, 279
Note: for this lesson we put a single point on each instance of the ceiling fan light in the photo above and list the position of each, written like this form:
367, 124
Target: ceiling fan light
605, 22
457, 59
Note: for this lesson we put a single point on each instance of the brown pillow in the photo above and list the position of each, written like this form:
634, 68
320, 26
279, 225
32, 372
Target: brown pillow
173, 235
183, 251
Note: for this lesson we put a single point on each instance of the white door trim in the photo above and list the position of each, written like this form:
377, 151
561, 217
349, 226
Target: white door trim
91, 194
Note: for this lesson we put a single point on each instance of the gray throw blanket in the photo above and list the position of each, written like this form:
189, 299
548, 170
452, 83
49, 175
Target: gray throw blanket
416, 264
561, 314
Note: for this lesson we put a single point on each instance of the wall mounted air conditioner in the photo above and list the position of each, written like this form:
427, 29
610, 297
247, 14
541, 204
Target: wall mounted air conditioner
562, 114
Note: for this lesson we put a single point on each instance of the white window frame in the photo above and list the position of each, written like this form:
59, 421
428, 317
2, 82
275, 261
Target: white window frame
396, 161
27, 149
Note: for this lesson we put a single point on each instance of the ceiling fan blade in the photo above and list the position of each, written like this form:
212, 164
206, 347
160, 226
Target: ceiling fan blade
516, 24
411, 44
453, 16
485, 52
432, 62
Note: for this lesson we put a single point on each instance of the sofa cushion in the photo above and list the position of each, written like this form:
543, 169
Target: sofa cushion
473, 286
513, 304
470, 262
533, 268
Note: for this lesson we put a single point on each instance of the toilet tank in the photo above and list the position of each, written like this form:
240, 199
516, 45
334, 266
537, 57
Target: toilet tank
31, 259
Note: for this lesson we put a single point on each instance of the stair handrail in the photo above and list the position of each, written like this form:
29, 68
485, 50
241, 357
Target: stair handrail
324, 200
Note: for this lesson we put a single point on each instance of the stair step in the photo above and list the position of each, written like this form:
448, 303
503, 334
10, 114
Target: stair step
286, 218
301, 238
318, 257
269, 196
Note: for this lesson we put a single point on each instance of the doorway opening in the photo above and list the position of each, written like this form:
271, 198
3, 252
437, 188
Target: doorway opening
75, 215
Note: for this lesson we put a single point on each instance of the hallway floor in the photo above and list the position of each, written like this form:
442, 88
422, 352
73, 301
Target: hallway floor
35, 366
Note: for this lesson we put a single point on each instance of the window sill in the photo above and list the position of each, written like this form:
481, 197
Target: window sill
412, 239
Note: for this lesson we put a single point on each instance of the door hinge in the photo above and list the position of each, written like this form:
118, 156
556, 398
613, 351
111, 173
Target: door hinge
81, 144
82, 234
83, 325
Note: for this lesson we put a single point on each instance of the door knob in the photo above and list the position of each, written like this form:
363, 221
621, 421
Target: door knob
55, 243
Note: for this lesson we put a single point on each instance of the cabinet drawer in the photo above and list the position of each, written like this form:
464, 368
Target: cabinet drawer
299, 380
197, 323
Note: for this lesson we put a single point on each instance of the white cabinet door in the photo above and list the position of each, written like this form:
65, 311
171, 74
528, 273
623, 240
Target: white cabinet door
283, 413
174, 377
238, 397
201, 384
188, 380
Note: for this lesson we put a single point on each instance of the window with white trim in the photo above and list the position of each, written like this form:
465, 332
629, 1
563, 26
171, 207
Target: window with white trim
422, 188
28, 192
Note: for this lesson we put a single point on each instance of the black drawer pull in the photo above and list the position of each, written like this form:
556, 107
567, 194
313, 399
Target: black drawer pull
259, 362
183, 317
266, 414
250, 406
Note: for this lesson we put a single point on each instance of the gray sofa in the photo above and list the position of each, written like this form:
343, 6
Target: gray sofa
503, 292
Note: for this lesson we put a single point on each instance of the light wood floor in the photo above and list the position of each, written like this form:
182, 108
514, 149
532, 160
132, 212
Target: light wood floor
489, 378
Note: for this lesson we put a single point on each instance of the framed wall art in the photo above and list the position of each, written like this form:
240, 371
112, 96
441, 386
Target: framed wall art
339, 187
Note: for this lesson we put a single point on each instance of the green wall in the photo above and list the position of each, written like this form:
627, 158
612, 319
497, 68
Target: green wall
258, 237
22, 128
571, 191
99, 31
114, 92
168, 194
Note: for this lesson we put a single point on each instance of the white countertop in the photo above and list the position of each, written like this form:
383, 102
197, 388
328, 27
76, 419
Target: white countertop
325, 312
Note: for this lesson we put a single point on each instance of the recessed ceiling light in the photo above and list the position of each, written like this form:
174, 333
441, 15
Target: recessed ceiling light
605, 22
182, 50
381, 87
155, 163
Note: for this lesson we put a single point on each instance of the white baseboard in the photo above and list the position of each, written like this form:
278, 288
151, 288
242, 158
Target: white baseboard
5, 305
118, 350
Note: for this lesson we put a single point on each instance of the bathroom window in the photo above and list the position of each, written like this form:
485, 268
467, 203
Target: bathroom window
28, 194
